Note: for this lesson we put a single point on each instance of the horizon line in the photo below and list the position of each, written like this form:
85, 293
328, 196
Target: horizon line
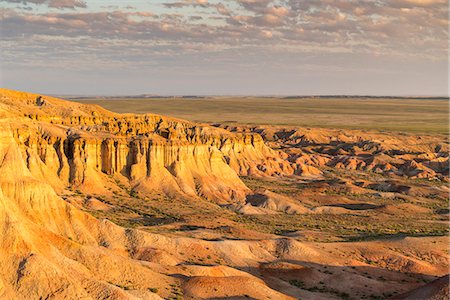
200, 96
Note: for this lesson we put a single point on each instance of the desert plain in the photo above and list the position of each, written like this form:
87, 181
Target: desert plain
223, 198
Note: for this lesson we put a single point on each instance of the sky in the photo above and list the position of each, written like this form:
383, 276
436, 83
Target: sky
234, 47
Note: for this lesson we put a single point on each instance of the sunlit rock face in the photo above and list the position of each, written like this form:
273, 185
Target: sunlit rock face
68, 143
389, 154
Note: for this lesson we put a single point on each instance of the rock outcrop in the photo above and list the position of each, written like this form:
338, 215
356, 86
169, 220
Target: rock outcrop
309, 149
83, 146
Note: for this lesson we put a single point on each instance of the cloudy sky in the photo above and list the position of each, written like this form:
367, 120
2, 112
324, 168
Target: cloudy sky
234, 47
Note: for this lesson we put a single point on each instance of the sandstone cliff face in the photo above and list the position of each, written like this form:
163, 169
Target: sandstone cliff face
83, 146
49, 249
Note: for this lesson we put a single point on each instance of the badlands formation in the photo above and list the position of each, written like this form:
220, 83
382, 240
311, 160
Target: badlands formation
98, 205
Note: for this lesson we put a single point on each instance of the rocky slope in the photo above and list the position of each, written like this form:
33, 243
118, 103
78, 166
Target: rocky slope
436, 290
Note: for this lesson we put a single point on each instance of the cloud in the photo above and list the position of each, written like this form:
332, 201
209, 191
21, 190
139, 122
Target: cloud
237, 32
58, 4
181, 4
390, 27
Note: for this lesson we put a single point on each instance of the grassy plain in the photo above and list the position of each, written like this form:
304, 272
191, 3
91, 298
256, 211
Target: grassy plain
388, 114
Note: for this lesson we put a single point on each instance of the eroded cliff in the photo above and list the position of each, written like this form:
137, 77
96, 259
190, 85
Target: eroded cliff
84, 146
